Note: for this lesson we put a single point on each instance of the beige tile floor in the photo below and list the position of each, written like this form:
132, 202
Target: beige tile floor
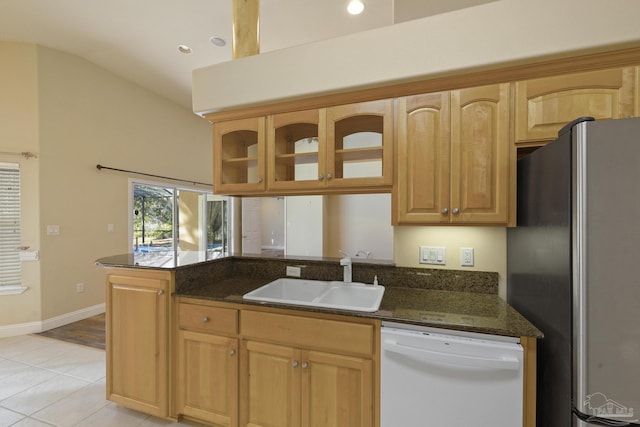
46, 382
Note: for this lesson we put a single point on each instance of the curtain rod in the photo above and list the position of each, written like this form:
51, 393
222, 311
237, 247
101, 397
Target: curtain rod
100, 167
25, 154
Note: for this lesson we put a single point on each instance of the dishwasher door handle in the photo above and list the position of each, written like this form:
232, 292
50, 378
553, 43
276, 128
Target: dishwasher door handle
424, 355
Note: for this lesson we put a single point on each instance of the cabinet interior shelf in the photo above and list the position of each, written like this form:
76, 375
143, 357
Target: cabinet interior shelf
297, 158
355, 154
240, 160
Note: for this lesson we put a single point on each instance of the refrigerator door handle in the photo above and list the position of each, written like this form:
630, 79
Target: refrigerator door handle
426, 356
590, 419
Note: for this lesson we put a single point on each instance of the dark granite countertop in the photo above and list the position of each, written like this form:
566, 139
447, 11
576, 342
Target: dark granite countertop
466, 311
449, 299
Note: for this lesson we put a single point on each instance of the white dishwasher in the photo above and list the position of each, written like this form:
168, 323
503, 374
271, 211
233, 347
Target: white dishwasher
437, 377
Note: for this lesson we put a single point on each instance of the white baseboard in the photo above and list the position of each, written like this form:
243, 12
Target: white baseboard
54, 322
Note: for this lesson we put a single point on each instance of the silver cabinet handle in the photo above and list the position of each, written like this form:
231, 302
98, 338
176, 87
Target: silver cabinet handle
305, 365
160, 292
456, 211
295, 364
232, 352
205, 319
445, 211
320, 177
329, 176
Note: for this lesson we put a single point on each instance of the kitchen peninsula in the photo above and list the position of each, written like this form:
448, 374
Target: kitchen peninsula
181, 340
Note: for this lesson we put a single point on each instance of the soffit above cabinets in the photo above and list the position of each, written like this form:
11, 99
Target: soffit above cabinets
486, 37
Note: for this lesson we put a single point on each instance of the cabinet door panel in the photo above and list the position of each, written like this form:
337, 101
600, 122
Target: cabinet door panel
296, 150
545, 105
422, 190
208, 377
360, 145
480, 154
270, 385
239, 156
337, 390
137, 344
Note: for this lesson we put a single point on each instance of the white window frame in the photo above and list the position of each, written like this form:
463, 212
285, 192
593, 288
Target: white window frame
10, 239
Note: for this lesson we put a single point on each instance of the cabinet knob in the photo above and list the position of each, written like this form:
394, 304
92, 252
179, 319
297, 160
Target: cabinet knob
445, 211
295, 364
160, 292
320, 177
232, 352
456, 211
329, 176
259, 179
205, 319
305, 365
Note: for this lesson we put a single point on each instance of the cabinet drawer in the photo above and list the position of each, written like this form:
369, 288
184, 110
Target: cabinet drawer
208, 319
322, 334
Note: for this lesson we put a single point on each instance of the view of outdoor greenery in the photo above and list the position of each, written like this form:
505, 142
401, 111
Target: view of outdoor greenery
153, 218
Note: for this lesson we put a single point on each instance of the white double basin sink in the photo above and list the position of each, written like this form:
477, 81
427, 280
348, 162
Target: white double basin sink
353, 296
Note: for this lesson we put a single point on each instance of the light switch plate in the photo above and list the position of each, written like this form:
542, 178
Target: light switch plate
53, 230
436, 255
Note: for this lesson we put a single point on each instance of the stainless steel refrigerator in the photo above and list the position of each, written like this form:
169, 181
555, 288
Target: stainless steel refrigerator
573, 265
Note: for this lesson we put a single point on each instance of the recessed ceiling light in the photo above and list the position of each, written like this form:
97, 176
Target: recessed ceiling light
183, 48
355, 7
218, 41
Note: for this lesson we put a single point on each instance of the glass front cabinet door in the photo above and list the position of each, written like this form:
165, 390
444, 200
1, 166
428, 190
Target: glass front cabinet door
239, 154
359, 145
296, 151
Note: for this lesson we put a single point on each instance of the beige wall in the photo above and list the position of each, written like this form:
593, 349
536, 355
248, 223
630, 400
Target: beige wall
189, 220
489, 243
80, 115
19, 132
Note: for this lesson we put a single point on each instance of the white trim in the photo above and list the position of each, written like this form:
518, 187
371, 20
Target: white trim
54, 322
12, 289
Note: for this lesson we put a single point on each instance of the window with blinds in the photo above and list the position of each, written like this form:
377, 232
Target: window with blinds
9, 224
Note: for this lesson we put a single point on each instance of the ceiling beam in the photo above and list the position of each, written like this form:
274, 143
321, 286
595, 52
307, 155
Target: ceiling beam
246, 28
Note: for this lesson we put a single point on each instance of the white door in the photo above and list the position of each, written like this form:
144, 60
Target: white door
251, 233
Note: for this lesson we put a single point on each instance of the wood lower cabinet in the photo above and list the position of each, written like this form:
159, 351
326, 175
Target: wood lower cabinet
454, 157
307, 372
137, 339
545, 105
207, 377
336, 390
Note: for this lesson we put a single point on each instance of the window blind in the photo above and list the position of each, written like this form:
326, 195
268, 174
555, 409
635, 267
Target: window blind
10, 267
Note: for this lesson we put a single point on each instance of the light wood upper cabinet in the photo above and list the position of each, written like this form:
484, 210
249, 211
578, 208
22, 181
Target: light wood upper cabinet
360, 145
422, 187
239, 156
138, 340
454, 157
296, 146
545, 105
480, 155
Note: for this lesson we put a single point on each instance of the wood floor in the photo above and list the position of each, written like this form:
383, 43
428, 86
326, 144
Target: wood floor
89, 332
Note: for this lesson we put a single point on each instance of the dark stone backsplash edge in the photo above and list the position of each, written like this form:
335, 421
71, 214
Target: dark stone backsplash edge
205, 274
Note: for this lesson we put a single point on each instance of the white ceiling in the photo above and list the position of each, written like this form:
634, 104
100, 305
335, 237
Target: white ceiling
138, 39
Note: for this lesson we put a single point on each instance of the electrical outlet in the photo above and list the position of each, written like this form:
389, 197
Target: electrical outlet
293, 271
466, 257
79, 287
433, 255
